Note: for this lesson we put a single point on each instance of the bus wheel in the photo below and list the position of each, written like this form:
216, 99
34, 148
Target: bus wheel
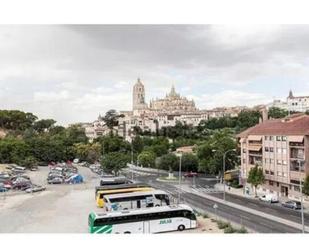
157, 205
181, 228
127, 232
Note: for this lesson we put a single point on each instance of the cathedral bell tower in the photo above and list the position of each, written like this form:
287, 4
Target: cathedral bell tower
139, 96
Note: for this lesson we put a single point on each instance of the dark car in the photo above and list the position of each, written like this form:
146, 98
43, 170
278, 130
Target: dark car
292, 204
21, 185
190, 174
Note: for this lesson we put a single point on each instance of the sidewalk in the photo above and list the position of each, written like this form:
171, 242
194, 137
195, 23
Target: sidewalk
246, 209
240, 192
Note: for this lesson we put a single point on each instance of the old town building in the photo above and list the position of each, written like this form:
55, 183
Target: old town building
281, 148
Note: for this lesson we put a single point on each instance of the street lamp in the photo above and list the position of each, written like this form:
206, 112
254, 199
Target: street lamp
223, 179
179, 175
224, 155
301, 197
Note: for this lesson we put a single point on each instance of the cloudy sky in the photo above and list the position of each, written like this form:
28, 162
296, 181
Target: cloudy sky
73, 73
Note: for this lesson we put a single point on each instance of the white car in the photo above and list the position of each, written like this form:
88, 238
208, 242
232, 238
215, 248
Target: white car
269, 198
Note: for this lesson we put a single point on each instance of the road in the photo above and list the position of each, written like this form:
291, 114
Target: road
254, 222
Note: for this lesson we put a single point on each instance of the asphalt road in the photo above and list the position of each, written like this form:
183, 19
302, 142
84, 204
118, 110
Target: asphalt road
254, 222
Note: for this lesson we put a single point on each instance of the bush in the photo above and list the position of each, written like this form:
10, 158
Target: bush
222, 224
205, 216
229, 229
241, 230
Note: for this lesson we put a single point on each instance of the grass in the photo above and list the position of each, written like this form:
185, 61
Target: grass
228, 228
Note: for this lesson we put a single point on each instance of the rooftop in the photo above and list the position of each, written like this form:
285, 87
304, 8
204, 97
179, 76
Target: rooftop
297, 124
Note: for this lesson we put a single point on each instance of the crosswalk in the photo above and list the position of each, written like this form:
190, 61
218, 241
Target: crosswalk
205, 189
140, 173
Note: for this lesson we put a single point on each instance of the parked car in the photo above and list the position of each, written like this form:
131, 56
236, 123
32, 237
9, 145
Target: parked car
269, 198
34, 168
190, 174
35, 188
3, 188
55, 180
292, 204
22, 185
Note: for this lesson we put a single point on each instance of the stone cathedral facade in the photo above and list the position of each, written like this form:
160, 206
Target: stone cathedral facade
160, 112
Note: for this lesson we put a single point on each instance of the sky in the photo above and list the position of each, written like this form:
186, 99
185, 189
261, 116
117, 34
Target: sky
71, 73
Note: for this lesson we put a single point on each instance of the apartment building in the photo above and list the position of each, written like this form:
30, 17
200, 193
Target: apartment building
281, 148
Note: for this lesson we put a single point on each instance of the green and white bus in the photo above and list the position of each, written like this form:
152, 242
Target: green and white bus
149, 220
135, 200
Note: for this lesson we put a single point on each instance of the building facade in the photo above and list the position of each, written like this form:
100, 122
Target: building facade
281, 148
292, 103
161, 112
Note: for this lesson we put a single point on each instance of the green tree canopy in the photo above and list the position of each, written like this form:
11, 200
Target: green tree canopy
275, 112
111, 119
114, 162
43, 125
147, 159
256, 177
168, 162
189, 162
306, 186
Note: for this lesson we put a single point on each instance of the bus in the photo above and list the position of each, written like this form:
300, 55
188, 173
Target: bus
149, 220
114, 181
101, 193
120, 186
118, 202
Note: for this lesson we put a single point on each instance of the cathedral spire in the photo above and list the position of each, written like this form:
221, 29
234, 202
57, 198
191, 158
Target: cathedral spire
291, 94
173, 92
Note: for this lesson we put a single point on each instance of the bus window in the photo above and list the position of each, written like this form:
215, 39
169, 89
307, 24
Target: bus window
163, 198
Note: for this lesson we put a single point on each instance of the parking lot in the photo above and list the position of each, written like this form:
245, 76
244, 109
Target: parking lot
61, 208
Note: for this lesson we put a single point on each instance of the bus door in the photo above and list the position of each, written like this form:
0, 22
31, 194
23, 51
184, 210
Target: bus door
146, 226
138, 204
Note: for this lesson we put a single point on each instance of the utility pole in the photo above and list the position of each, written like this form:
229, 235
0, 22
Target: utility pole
224, 156
301, 198
179, 175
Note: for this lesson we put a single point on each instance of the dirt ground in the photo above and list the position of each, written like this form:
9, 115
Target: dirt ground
61, 208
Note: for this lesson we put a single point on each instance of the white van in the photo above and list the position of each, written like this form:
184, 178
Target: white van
271, 198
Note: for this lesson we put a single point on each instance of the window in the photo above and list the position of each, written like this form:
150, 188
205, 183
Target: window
277, 184
272, 161
266, 149
278, 150
271, 149
283, 138
243, 150
278, 138
271, 183
283, 151
271, 138
272, 173
267, 172
266, 137
279, 173
284, 162
279, 162
285, 174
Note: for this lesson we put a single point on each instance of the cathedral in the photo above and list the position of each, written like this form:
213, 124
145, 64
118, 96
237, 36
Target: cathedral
172, 103
161, 112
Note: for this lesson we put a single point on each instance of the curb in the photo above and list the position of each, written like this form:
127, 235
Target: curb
252, 211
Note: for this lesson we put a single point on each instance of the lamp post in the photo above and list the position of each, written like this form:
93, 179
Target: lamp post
301, 197
224, 156
179, 176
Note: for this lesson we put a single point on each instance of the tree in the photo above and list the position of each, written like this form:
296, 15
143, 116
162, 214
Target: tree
210, 152
137, 144
88, 152
29, 162
168, 162
111, 119
147, 159
275, 112
248, 118
114, 162
43, 125
306, 186
189, 162
256, 177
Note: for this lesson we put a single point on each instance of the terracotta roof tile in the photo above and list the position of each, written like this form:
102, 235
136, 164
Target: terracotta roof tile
297, 124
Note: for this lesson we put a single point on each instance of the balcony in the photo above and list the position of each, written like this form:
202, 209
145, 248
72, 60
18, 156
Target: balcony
297, 153
297, 165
